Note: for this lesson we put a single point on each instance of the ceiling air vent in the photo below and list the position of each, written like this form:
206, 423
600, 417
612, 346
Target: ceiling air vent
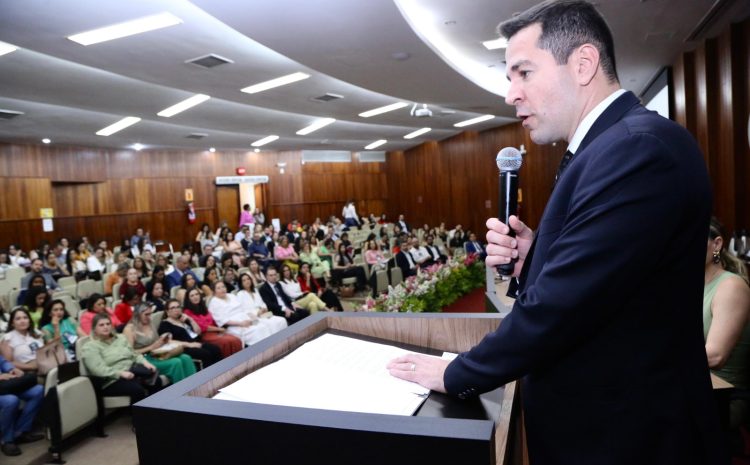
328, 97
9, 114
196, 136
209, 61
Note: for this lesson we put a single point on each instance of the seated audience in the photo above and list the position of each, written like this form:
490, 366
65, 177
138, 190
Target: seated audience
132, 281
344, 267
37, 269
251, 301
206, 236
181, 267
57, 325
210, 277
285, 254
419, 254
186, 331
435, 253
195, 307
158, 275
142, 270
97, 264
157, 296
402, 224
20, 343
145, 340
307, 300
258, 251
277, 301
228, 312
35, 299
16, 423
53, 267
255, 273
230, 279
96, 304
308, 283
116, 277
474, 247
457, 238
318, 266
124, 310
405, 261
115, 367
377, 262
726, 307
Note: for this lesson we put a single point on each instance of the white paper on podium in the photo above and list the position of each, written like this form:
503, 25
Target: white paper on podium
333, 373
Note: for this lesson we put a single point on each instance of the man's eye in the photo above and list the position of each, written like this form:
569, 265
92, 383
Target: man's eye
524, 74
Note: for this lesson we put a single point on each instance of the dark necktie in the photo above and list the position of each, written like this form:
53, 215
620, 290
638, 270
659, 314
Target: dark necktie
563, 164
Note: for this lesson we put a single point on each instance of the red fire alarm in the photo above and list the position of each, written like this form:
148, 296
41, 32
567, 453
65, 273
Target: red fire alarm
241, 171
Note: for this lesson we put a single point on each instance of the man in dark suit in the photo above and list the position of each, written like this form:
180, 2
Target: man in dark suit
405, 261
614, 370
473, 246
277, 301
181, 267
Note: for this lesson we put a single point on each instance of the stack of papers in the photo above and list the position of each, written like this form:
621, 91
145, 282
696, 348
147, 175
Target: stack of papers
333, 373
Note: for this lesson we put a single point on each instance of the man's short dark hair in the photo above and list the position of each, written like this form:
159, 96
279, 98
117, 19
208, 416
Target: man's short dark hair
566, 25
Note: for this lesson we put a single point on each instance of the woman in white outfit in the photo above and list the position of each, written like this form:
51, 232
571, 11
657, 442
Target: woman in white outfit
252, 302
228, 312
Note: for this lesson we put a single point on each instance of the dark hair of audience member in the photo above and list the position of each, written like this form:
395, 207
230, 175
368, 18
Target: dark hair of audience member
31, 295
13, 316
47, 313
199, 308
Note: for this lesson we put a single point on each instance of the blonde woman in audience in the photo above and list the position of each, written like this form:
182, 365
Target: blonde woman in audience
317, 265
20, 343
291, 287
726, 307
144, 338
195, 307
227, 311
251, 300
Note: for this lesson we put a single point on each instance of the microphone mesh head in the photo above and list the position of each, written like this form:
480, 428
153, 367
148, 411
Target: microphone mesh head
509, 159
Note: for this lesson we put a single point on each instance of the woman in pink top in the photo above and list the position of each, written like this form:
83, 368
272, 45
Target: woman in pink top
285, 253
375, 258
96, 304
195, 308
246, 218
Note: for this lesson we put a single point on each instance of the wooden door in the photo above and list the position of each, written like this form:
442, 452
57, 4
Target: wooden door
260, 198
228, 206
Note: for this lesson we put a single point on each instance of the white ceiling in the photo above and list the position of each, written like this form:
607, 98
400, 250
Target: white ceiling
67, 92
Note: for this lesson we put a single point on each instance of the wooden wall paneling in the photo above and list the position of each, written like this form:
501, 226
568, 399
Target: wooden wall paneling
23, 197
742, 200
74, 199
723, 157
75, 164
684, 90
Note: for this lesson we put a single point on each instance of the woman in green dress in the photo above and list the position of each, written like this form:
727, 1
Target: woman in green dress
318, 267
145, 340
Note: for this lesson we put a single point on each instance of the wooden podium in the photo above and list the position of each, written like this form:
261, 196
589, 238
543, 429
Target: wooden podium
182, 424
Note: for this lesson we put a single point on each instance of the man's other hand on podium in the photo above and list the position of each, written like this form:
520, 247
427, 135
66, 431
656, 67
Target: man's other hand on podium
421, 369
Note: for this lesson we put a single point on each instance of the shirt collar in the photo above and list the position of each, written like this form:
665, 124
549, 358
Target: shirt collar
590, 119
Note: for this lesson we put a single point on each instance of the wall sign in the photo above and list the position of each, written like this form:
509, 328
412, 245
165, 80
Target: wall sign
229, 180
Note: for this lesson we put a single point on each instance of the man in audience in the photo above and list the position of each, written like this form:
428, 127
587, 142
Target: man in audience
138, 238
473, 246
17, 257
259, 251
279, 302
208, 250
116, 277
37, 268
181, 267
242, 236
402, 223
16, 423
419, 254
435, 253
63, 245
405, 261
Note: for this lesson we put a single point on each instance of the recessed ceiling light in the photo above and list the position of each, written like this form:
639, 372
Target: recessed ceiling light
118, 126
281, 81
416, 133
495, 44
256, 150
7, 48
212, 150
184, 105
46, 141
375, 144
476, 120
128, 28
137, 147
323, 122
264, 141
385, 109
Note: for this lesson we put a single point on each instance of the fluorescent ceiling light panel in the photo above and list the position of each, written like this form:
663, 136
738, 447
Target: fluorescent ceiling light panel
281, 81
184, 105
495, 44
375, 144
476, 120
118, 126
385, 109
128, 28
321, 123
417, 133
264, 141
7, 48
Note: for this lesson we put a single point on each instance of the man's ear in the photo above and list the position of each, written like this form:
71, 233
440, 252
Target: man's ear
585, 60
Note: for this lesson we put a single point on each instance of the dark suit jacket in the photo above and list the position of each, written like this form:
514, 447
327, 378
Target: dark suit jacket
606, 331
175, 279
403, 263
268, 296
471, 249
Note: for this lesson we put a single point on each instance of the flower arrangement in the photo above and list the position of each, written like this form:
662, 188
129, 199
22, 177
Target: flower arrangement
432, 289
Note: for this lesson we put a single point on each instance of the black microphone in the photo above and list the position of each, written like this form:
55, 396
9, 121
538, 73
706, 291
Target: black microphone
509, 161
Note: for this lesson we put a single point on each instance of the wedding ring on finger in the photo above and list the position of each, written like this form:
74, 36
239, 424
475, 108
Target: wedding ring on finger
413, 367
